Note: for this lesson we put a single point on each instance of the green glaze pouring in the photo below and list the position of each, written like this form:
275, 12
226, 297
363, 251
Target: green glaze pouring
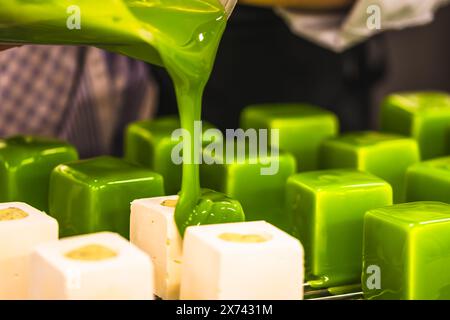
183, 36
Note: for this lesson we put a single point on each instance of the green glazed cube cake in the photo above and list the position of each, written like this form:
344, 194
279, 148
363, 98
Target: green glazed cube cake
94, 195
406, 252
26, 163
424, 116
261, 195
385, 155
302, 128
429, 180
326, 212
149, 143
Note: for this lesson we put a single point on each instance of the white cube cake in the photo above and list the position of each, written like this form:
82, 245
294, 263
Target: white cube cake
247, 260
153, 229
22, 227
99, 266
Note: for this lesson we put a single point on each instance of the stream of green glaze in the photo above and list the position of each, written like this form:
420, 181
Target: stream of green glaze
189, 59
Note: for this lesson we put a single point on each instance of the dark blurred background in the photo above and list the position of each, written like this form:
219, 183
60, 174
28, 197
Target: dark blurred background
261, 61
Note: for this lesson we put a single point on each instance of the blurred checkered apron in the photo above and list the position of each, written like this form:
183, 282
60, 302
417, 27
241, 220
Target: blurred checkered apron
83, 95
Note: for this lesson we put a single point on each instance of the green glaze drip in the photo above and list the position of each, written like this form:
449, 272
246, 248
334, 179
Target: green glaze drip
210, 207
189, 60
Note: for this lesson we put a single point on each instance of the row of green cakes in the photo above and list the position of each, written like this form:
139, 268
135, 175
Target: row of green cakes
325, 209
352, 234
385, 155
241, 179
307, 133
83, 195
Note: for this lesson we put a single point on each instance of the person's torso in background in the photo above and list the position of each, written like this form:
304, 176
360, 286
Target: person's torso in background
83, 95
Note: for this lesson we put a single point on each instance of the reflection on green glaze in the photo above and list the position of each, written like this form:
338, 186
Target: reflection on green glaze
409, 244
94, 195
387, 156
326, 209
424, 116
25, 166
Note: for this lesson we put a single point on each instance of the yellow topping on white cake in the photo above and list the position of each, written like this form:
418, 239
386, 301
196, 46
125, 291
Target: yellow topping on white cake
243, 238
12, 214
91, 252
169, 203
